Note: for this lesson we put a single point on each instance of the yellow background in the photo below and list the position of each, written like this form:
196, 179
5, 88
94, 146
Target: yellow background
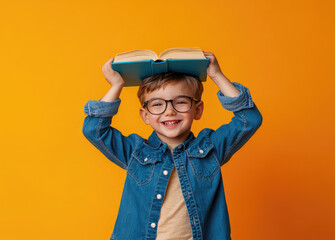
55, 185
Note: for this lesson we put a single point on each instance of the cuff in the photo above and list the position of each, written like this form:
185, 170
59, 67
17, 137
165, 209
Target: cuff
102, 109
242, 101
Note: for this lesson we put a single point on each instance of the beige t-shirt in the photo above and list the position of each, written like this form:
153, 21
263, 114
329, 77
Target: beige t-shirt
174, 223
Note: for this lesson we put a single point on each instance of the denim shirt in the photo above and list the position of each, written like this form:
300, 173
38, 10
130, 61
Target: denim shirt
149, 163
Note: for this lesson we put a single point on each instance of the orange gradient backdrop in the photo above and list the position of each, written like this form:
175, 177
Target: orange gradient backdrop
55, 185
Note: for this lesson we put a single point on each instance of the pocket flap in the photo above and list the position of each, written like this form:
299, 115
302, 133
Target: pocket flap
200, 149
147, 158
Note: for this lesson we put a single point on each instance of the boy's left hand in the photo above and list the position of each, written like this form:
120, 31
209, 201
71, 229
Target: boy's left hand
213, 70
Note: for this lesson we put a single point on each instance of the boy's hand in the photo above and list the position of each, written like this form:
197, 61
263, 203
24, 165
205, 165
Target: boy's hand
213, 70
113, 77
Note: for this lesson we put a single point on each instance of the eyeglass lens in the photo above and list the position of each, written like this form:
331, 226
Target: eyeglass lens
180, 104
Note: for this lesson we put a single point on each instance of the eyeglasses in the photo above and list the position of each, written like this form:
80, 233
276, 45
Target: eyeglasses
158, 106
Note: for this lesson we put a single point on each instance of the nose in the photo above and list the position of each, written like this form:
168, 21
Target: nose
169, 109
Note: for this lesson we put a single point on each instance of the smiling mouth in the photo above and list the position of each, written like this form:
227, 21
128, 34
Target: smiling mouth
171, 123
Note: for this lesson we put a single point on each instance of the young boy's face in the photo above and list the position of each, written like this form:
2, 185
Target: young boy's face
172, 127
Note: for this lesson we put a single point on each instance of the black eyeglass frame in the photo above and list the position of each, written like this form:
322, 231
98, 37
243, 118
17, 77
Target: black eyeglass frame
145, 104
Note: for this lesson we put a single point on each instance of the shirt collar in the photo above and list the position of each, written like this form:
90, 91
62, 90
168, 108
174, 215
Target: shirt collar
155, 143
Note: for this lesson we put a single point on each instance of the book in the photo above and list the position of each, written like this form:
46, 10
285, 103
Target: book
138, 64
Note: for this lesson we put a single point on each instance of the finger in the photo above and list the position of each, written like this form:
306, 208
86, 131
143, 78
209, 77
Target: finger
208, 54
107, 64
212, 57
110, 60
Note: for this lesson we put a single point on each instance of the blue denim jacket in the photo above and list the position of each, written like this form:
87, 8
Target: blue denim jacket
149, 163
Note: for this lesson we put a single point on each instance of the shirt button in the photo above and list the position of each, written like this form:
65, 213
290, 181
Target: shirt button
165, 172
145, 159
159, 196
153, 225
201, 151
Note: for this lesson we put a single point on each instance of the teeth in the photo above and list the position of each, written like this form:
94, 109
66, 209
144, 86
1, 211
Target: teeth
171, 123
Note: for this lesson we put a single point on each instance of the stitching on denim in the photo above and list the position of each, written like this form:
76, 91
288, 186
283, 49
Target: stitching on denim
135, 148
209, 178
215, 155
133, 158
239, 138
206, 151
196, 209
105, 147
245, 102
190, 156
156, 158
140, 183
150, 146
89, 109
146, 236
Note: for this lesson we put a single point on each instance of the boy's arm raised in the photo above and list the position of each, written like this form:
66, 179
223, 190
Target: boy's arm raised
229, 138
234, 97
97, 129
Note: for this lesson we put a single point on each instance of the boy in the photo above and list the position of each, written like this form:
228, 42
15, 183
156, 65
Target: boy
173, 189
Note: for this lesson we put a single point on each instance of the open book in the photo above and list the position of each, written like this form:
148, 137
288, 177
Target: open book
136, 65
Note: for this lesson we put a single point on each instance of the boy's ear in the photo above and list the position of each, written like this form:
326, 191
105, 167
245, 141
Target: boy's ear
144, 115
199, 108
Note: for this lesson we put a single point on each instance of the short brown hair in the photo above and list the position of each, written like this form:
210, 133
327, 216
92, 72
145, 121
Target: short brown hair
157, 81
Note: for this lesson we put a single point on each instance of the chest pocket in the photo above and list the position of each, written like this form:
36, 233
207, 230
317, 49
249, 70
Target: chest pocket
142, 166
204, 162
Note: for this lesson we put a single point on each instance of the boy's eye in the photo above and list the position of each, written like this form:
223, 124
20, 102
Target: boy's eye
156, 103
181, 102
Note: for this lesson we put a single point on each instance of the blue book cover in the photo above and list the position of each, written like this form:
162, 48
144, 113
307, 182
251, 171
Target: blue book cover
133, 72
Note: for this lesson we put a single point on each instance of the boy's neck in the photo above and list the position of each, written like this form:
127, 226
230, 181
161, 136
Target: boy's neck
171, 147
172, 143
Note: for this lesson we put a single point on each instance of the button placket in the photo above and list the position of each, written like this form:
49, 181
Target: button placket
158, 197
189, 201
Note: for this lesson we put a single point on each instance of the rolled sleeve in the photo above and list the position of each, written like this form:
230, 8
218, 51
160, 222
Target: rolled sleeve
102, 109
242, 101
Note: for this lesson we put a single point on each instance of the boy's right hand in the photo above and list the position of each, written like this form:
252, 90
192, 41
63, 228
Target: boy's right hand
114, 78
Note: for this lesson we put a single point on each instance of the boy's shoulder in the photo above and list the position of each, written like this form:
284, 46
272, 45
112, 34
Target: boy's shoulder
201, 144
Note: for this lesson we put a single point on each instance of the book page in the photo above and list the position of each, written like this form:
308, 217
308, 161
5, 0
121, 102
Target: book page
180, 53
135, 55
